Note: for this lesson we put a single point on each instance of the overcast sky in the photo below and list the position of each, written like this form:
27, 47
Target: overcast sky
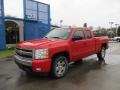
74, 12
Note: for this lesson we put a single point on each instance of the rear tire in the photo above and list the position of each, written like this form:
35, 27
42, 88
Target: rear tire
101, 55
59, 66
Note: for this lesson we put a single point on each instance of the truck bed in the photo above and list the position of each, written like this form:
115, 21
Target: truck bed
99, 41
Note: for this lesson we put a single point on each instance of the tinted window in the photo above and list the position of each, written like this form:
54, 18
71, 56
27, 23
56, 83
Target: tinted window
79, 34
88, 33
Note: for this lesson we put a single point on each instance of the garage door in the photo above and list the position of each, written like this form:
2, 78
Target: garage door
37, 19
2, 29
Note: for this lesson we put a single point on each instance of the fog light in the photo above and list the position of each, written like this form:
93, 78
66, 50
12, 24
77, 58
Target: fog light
38, 69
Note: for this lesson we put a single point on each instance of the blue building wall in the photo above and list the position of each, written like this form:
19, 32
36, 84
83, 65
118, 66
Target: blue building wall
2, 28
36, 21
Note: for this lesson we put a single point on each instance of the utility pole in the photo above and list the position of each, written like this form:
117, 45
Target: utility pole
116, 29
61, 21
111, 23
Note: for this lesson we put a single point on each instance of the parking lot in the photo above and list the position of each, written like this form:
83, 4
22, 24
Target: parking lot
90, 75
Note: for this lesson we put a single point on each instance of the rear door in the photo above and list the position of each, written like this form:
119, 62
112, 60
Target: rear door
78, 46
90, 43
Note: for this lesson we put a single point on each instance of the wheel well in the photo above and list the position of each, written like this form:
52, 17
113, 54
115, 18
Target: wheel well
104, 45
65, 53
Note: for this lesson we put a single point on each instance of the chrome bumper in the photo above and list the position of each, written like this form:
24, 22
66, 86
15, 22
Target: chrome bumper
23, 61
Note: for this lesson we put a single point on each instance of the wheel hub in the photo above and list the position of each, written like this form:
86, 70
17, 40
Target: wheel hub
60, 68
103, 53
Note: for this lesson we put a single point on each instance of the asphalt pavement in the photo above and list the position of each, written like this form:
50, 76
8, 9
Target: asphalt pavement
90, 75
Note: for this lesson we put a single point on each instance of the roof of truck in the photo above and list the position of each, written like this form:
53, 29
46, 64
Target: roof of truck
82, 28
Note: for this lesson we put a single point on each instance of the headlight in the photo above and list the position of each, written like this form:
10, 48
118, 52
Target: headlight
41, 54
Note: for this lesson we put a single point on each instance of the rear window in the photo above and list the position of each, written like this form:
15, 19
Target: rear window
89, 35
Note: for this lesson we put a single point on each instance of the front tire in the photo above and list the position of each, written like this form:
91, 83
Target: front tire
102, 54
59, 66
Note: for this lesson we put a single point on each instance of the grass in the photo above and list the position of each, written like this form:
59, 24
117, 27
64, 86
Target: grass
7, 53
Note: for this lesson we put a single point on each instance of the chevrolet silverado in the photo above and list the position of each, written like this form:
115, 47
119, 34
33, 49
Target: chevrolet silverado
53, 53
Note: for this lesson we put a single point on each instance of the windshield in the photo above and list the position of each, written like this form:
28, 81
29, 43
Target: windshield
59, 33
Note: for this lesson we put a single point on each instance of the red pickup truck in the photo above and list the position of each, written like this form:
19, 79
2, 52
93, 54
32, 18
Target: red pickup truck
54, 52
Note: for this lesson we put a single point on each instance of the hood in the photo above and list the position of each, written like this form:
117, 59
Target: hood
40, 43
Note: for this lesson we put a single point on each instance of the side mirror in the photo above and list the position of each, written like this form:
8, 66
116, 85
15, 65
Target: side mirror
77, 38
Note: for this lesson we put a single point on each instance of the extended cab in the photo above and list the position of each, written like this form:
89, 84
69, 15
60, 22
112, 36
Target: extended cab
57, 49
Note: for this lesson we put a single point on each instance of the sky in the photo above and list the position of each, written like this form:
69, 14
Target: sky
74, 12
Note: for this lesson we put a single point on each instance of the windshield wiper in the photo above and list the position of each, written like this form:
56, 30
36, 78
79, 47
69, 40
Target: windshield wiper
56, 37
45, 37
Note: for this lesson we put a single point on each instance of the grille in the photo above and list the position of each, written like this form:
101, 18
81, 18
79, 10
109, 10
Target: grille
24, 53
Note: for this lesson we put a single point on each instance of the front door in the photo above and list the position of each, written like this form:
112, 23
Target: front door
78, 45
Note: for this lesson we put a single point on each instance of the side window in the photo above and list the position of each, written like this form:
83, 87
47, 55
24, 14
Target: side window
79, 34
89, 36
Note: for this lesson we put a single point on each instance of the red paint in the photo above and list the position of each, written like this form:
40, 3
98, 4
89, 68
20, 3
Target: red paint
43, 65
76, 49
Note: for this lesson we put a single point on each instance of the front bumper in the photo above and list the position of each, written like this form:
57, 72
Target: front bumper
20, 60
34, 65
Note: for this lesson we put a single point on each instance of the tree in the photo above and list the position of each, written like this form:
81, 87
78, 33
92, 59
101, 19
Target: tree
118, 31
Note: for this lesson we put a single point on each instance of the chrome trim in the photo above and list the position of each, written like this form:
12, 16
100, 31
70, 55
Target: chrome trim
24, 52
23, 48
33, 54
27, 62
25, 58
